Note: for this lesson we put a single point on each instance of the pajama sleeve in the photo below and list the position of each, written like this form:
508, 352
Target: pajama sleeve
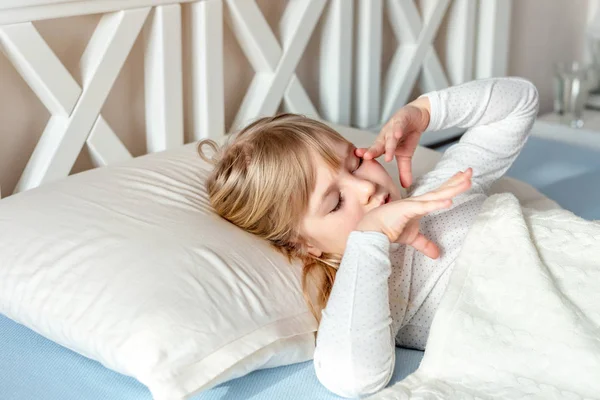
498, 114
355, 343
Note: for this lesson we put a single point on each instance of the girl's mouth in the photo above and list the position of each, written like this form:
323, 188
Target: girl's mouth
386, 199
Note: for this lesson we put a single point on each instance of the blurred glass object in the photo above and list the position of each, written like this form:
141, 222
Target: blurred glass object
594, 46
571, 89
593, 39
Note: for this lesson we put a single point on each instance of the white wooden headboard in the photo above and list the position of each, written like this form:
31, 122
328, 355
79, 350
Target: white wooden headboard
354, 89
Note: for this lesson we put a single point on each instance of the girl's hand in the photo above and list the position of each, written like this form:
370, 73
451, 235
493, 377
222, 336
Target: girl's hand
400, 138
399, 220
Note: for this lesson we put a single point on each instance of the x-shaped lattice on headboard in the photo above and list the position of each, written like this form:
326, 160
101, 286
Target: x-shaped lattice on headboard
75, 111
349, 65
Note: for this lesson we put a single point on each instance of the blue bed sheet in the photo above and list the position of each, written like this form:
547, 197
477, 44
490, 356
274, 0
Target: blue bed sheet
568, 174
296, 381
32, 367
35, 368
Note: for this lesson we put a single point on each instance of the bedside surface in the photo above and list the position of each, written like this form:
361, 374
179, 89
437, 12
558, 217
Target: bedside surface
548, 126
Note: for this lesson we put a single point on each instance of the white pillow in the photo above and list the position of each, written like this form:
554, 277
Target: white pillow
128, 265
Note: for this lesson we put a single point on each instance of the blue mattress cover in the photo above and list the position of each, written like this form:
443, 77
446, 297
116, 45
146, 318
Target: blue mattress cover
568, 174
32, 367
35, 368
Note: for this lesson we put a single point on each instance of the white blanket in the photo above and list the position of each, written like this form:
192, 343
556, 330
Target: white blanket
521, 315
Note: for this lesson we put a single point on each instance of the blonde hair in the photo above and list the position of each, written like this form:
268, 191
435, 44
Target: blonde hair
262, 181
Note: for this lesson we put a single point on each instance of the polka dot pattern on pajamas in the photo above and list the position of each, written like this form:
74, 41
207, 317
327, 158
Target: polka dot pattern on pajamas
387, 294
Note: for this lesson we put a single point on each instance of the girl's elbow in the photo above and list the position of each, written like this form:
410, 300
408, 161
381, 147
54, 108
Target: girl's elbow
532, 96
372, 387
347, 384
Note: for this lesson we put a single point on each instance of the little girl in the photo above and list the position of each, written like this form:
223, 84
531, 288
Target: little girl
375, 265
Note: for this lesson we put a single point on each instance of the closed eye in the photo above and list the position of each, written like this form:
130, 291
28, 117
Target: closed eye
339, 203
358, 164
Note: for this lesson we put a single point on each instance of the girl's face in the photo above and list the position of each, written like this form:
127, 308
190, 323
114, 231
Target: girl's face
341, 198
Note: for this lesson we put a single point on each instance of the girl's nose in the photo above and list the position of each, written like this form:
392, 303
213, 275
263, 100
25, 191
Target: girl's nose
366, 189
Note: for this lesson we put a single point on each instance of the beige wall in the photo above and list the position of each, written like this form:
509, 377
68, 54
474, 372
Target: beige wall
543, 31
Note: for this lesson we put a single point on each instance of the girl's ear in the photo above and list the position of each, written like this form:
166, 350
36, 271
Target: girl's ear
313, 251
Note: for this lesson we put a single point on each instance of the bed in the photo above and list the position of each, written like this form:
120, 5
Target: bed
32, 366
189, 70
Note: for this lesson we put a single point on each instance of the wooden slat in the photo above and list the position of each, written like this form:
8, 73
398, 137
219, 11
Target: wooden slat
104, 146
163, 79
335, 60
407, 25
274, 67
368, 63
208, 103
101, 62
407, 61
296, 99
433, 77
16, 11
493, 36
296, 26
262, 51
40, 68
36, 170
49, 77
8, 4
460, 40
254, 35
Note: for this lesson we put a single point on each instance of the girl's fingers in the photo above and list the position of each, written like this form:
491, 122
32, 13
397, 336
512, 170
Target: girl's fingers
410, 211
426, 246
443, 194
404, 170
390, 147
387, 141
451, 190
416, 208
456, 185
397, 130
458, 178
360, 151
375, 150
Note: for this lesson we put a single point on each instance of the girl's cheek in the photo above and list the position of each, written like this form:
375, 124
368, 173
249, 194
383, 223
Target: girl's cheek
354, 218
